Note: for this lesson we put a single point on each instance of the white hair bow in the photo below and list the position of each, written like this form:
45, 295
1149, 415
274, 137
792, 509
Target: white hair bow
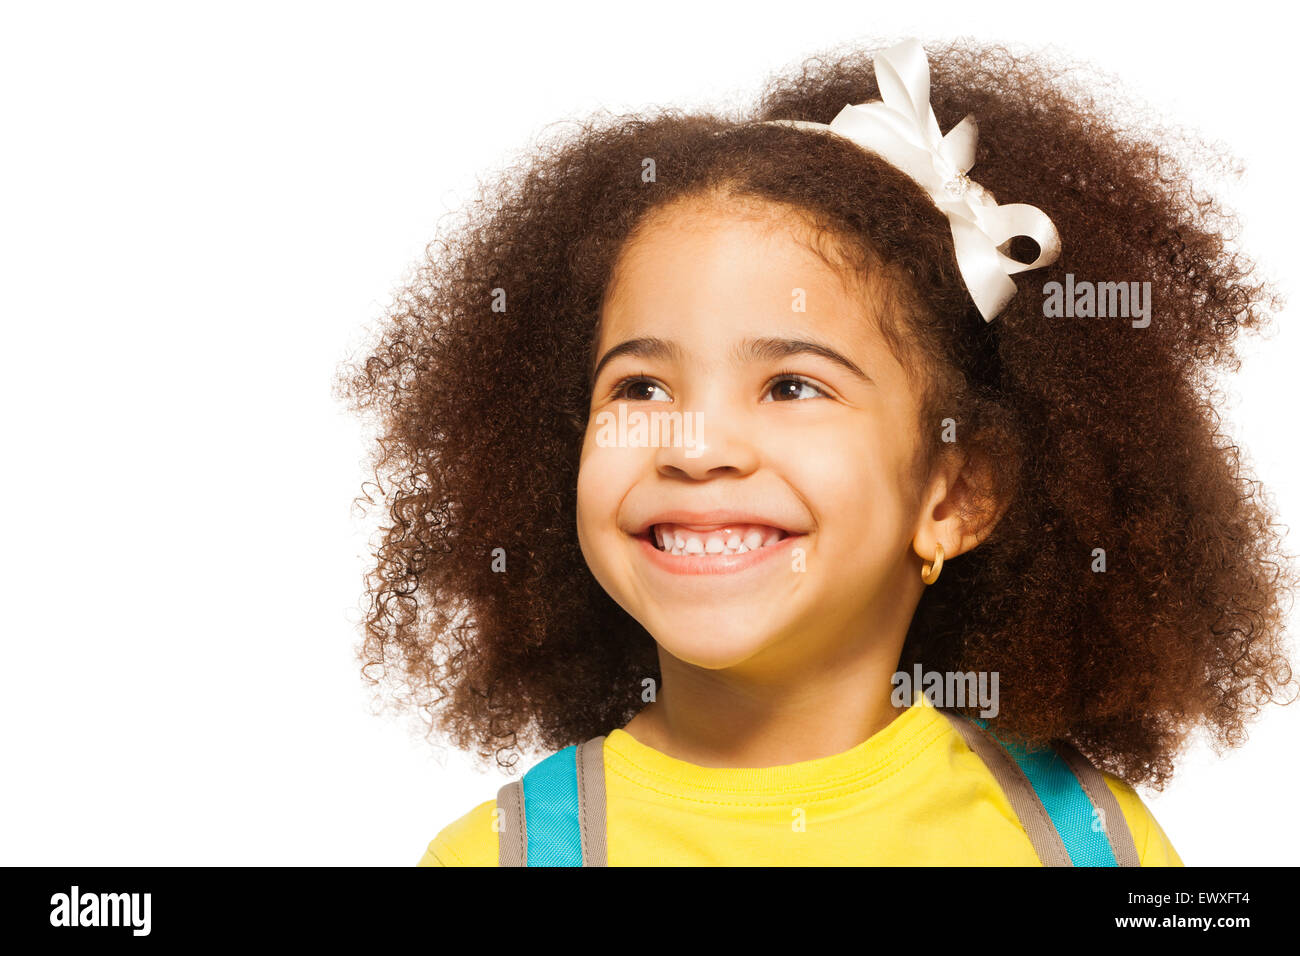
902, 129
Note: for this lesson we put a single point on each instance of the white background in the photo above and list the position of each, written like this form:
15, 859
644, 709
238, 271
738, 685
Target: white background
203, 209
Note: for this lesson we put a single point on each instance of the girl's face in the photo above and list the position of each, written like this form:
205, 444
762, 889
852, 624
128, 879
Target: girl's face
789, 482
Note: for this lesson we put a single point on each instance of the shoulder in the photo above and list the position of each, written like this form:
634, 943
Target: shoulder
1153, 846
474, 839
470, 840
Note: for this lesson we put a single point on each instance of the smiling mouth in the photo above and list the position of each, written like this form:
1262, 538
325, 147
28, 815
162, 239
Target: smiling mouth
686, 541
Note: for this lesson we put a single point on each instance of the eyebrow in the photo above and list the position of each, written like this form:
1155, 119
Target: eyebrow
761, 349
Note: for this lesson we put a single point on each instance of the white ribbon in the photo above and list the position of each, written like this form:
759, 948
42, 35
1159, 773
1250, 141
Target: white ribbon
902, 129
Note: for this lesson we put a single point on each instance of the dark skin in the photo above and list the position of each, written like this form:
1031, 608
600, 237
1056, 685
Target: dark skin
777, 663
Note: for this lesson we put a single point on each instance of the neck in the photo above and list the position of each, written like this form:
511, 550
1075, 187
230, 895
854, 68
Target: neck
726, 718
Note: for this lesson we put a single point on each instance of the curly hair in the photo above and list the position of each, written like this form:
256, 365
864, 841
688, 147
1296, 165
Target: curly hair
1103, 436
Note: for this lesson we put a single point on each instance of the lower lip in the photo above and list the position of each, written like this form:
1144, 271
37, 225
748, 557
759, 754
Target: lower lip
715, 563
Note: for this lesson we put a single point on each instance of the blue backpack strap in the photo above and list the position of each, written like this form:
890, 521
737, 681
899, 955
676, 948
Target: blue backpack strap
1065, 801
555, 815
1111, 817
1087, 820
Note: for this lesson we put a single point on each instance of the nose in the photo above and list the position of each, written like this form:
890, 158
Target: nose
711, 445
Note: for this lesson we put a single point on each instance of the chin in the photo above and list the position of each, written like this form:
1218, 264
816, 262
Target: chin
699, 638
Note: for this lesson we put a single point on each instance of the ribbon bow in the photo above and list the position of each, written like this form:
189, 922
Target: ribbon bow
902, 129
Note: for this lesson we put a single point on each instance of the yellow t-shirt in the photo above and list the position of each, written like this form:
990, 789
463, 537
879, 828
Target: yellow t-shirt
913, 794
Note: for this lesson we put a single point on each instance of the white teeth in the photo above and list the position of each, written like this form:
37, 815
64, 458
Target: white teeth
724, 541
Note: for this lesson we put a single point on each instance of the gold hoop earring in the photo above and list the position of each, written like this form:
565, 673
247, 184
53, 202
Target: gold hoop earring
930, 573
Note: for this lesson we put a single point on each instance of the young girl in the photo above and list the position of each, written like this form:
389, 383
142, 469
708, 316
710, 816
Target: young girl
821, 487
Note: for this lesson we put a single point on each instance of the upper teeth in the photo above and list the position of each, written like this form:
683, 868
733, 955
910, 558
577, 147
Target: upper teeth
732, 539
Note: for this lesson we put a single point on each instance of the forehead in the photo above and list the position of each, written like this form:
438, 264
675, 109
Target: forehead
708, 269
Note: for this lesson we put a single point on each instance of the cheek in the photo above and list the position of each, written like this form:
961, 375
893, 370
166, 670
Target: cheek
589, 486
604, 476
851, 480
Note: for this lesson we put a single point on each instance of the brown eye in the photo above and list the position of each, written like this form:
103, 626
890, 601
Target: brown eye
792, 388
636, 389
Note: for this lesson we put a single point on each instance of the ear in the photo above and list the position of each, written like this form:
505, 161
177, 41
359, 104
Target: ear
959, 506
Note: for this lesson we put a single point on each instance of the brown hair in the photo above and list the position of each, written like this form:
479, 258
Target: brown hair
1104, 435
